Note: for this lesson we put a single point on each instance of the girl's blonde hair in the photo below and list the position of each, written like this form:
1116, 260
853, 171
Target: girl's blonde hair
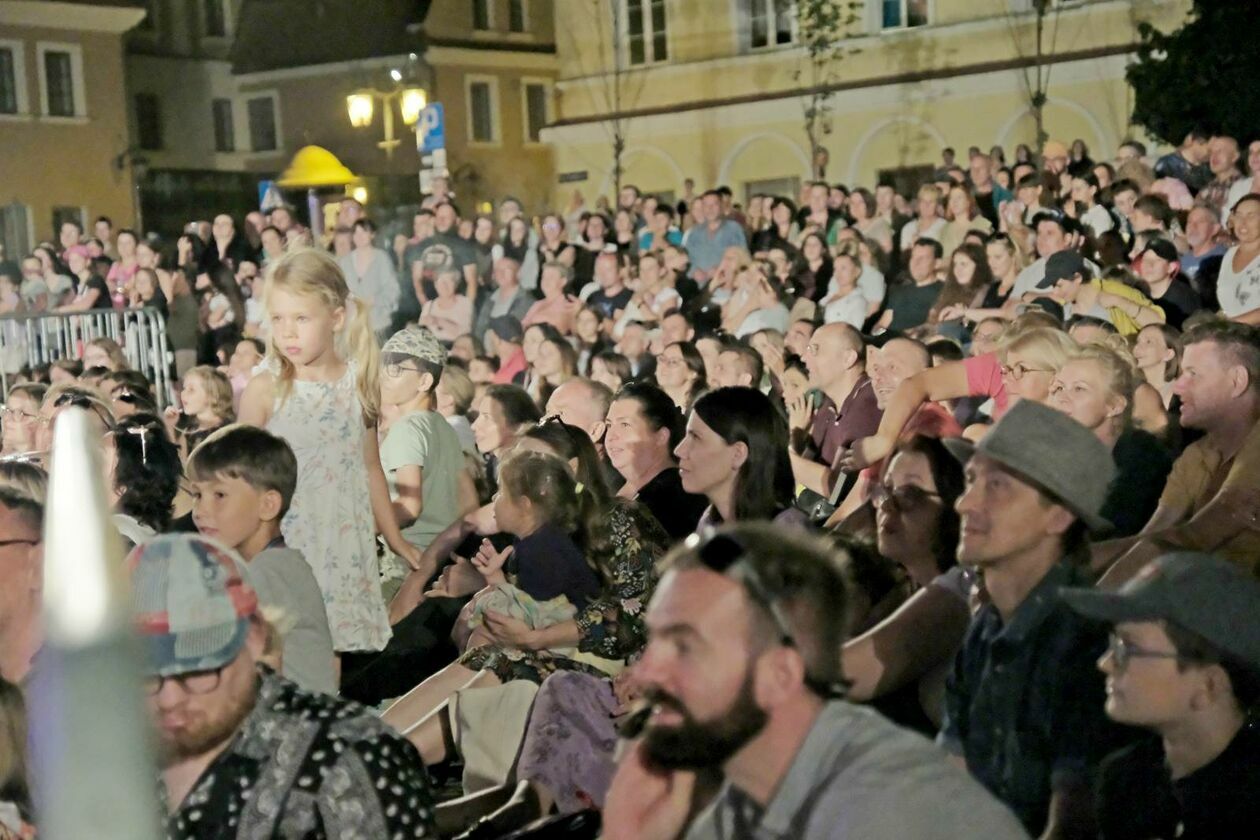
218, 389
116, 356
312, 272
1119, 369
1044, 346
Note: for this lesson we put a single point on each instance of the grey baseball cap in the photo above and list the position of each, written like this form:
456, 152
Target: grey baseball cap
1054, 452
1202, 593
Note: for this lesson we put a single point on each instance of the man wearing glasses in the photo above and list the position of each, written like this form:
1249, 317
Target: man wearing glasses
244, 752
1184, 662
744, 680
22, 573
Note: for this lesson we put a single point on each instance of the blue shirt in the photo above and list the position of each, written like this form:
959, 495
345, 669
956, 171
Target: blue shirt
705, 249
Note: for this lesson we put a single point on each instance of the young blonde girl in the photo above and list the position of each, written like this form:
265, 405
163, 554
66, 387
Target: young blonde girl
207, 406
320, 391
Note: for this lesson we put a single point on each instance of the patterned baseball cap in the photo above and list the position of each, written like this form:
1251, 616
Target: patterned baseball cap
417, 342
192, 602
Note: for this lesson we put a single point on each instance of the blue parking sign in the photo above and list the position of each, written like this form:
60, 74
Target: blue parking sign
431, 129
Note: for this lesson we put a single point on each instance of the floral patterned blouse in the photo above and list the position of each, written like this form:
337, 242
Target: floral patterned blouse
611, 626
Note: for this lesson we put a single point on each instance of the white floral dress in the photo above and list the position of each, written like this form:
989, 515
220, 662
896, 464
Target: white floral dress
330, 520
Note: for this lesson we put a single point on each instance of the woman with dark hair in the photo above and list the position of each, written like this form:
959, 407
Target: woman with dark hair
968, 281
371, 277
144, 469
900, 664
644, 427
814, 274
556, 364
867, 221
735, 453
224, 309
611, 369
781, 232
680, 374
502, 411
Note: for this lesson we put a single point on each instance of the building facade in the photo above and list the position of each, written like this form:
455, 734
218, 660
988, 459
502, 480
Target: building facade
65, 150
713, 89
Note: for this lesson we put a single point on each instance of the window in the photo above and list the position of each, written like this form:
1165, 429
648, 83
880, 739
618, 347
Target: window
481, 14
148, 121
216, 18
483, 118
224, 127
262, 124
58, 84
8, 82
645, 31
516, 16
899, 14
536, 110
770, 22
16, 229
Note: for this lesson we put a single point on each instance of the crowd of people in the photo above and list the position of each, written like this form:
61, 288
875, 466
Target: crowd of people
848, 514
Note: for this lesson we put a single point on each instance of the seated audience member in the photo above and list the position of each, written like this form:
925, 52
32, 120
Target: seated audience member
1157, 349
844, 302
21, 630
909, 303
1184, 663
1160, 270
504, 341
734, 452
582, 403
449, 315
501, 415
248, 355
144, 469
21, 418
644, 429
106, 353
1120, 305
420, 452
1095, 387
1023, 703
738, 366
680, 374
206, 405
847, 411
624, 545
742, 680
229, 729
16, 808
1211, 500
453, 398
634, 345
900, 664
555, 364
556, 307
243, 479
1239, 278
611, 369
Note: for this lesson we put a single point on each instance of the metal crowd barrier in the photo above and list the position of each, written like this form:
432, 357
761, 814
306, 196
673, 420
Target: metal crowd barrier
41, 338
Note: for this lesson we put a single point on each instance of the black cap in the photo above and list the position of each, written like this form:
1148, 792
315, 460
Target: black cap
1202, 593
507, 328
1063, 265
1163, 249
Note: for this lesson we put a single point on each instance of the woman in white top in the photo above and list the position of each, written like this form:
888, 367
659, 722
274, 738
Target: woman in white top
844, 301
761, 308
1238, 286
655, 296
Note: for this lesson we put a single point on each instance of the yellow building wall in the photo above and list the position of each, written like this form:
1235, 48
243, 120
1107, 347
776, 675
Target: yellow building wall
69, 162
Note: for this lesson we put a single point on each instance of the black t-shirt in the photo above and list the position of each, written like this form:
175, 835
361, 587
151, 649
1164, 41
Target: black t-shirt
1138, 800
911, 304
1142, 467
1179, 303
439, 251
677, 510
606, 305
103, 300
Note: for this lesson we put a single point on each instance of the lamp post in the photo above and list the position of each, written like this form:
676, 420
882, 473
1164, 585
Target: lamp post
411, 99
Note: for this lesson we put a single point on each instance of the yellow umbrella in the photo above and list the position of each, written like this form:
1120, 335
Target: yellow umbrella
315, 166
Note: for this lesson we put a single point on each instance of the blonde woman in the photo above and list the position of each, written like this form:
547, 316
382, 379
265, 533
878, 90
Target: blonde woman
1022, 368
1096, 386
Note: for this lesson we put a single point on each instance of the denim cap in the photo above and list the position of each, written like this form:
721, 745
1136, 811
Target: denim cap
192, 601
1055, 453
1202, 593
417, 342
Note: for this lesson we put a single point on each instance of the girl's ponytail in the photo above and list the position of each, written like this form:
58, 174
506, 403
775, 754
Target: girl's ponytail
363, 353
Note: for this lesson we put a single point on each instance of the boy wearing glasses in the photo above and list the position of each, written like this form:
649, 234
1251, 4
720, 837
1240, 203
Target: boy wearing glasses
1184, 662
243, 479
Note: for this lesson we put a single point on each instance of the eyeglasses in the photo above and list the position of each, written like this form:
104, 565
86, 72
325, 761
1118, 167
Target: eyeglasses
725, 554
194, 682
17, 415
396, 369
6, 543
1020, 370
1122, 651
905, 497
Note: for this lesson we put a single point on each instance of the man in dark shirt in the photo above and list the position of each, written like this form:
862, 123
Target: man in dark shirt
612, 296
910, 301
444, 249
244, 752
1184, 661
1188, 162
1159, 267
1023, 702
836, 360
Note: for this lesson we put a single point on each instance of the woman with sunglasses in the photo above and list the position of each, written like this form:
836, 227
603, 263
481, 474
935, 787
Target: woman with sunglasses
899, 666
1022, 368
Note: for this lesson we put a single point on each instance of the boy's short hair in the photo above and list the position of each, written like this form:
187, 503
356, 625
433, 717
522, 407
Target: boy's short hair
253, 455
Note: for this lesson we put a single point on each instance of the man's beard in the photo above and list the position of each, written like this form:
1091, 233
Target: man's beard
209, 731
692, 745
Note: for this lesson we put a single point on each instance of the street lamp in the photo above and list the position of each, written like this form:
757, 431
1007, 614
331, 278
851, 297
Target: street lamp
411, 101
